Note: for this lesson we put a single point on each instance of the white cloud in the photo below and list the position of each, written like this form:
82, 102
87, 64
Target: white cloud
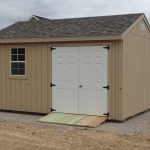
12, 11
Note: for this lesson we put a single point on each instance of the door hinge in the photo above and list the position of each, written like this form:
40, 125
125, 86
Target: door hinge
107, 47
52, 109
106, 87
52, 85
107, 114
52, 48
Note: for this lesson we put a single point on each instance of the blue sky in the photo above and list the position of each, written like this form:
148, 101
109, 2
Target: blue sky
12, 11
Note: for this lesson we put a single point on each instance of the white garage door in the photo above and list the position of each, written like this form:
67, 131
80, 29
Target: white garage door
79, 73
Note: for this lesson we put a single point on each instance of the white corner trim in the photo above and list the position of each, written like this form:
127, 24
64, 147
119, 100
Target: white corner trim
33, 17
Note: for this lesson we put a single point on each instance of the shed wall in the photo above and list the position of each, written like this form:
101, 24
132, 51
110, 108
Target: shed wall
136, 72
115, 72
33, 92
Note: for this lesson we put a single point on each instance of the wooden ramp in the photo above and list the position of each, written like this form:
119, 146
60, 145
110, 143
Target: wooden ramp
74, 119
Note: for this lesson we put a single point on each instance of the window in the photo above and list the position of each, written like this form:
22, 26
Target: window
18, 61
142, 27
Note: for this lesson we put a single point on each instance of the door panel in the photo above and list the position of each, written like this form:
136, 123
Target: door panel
92, 77
65, 76
75, 66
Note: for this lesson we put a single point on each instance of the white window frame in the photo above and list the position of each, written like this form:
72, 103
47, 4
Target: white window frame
17, 61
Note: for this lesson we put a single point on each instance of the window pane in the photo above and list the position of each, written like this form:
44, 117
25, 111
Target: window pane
14, 51
17, 68
21, 71
22, 65
13, 57
14, 71
14, 65
21, 57
21, 51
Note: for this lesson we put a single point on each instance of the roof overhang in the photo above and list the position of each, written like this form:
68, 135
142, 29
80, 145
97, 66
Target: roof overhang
62, 39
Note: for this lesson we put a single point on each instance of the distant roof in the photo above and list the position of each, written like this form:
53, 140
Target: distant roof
36, 18
74, 27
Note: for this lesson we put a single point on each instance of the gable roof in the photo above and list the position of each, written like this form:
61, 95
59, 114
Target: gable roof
37, 18
75, 27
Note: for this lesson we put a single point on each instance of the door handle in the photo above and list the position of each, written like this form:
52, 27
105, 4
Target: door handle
106, 87
80, 86
52, 85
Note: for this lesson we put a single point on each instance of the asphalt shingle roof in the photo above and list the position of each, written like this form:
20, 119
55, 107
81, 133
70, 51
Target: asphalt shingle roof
89, 26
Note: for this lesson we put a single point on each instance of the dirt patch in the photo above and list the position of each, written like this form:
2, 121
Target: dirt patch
24, 136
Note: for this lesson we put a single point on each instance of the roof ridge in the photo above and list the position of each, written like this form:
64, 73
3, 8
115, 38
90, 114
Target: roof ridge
97, 16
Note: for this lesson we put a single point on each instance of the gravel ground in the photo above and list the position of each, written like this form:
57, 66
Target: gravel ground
134, 125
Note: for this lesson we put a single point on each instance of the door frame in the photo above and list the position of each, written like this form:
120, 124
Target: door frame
79, 44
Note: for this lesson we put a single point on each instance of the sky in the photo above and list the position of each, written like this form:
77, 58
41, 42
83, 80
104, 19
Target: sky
12, 11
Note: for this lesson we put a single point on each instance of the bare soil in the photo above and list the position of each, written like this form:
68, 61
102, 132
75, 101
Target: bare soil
26, 136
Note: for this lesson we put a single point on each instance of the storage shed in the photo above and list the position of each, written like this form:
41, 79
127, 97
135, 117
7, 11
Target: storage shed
93, 65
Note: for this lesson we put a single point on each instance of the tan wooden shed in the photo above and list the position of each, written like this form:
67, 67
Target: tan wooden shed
100, 66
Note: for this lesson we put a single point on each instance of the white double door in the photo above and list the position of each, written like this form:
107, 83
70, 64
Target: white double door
79, 73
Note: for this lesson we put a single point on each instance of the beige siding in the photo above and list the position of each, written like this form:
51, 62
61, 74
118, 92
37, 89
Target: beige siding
31, 93
39, 77
136, 72
137, 30
115, 80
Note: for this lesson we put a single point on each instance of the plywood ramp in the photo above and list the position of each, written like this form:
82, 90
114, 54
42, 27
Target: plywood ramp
74, 119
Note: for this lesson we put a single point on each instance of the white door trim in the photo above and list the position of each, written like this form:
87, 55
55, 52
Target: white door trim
102, 56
